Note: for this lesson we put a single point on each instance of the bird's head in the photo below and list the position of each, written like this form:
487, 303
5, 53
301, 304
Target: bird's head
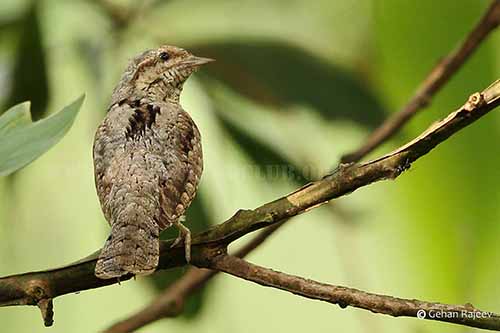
159, 73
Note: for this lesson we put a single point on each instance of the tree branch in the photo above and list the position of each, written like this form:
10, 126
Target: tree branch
36, 288
170, 302
434, 81
465, 315
430, 86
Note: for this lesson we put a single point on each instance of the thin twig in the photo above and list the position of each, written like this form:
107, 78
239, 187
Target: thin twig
436, 79
170, 302
465, 315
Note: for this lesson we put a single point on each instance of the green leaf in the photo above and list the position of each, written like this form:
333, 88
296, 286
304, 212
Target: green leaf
289, 132
29, 77
22, 141
17, 116
279, 74
263, 155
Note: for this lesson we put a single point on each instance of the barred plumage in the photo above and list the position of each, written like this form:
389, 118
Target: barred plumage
147, 161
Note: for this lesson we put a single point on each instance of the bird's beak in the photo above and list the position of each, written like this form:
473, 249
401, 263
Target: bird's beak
194, 61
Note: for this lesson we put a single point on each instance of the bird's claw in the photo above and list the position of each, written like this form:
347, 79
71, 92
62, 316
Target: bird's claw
184, 235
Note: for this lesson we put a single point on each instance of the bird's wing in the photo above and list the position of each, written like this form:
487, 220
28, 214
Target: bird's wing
183, 162
108, 143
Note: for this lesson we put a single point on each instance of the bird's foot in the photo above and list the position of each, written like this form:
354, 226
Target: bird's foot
184, 235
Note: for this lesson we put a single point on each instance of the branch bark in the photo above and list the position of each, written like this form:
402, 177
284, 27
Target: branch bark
171, 301
38, 288
465, 315
435, 80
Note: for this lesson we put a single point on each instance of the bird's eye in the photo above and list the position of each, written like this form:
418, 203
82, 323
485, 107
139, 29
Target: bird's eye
164, 56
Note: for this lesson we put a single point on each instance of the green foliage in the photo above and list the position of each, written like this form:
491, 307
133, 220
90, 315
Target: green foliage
30, 81
22, 141
275, 74
296, 84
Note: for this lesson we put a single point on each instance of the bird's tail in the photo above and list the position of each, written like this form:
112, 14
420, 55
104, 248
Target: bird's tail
133, 246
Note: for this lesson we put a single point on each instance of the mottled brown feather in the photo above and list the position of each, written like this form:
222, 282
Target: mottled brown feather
147, 160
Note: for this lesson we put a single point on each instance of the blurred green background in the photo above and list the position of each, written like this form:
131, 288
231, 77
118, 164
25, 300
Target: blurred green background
296, 84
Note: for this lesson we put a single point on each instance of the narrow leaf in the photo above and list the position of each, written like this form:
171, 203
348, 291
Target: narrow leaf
29, 77
17, 116
278, 74
21, 143
263, 155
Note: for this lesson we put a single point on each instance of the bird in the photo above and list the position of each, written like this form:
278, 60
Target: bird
148, 161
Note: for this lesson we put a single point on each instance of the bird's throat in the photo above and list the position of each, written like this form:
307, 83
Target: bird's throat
162, 90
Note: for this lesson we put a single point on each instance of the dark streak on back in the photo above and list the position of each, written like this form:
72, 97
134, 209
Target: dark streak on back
144, 116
